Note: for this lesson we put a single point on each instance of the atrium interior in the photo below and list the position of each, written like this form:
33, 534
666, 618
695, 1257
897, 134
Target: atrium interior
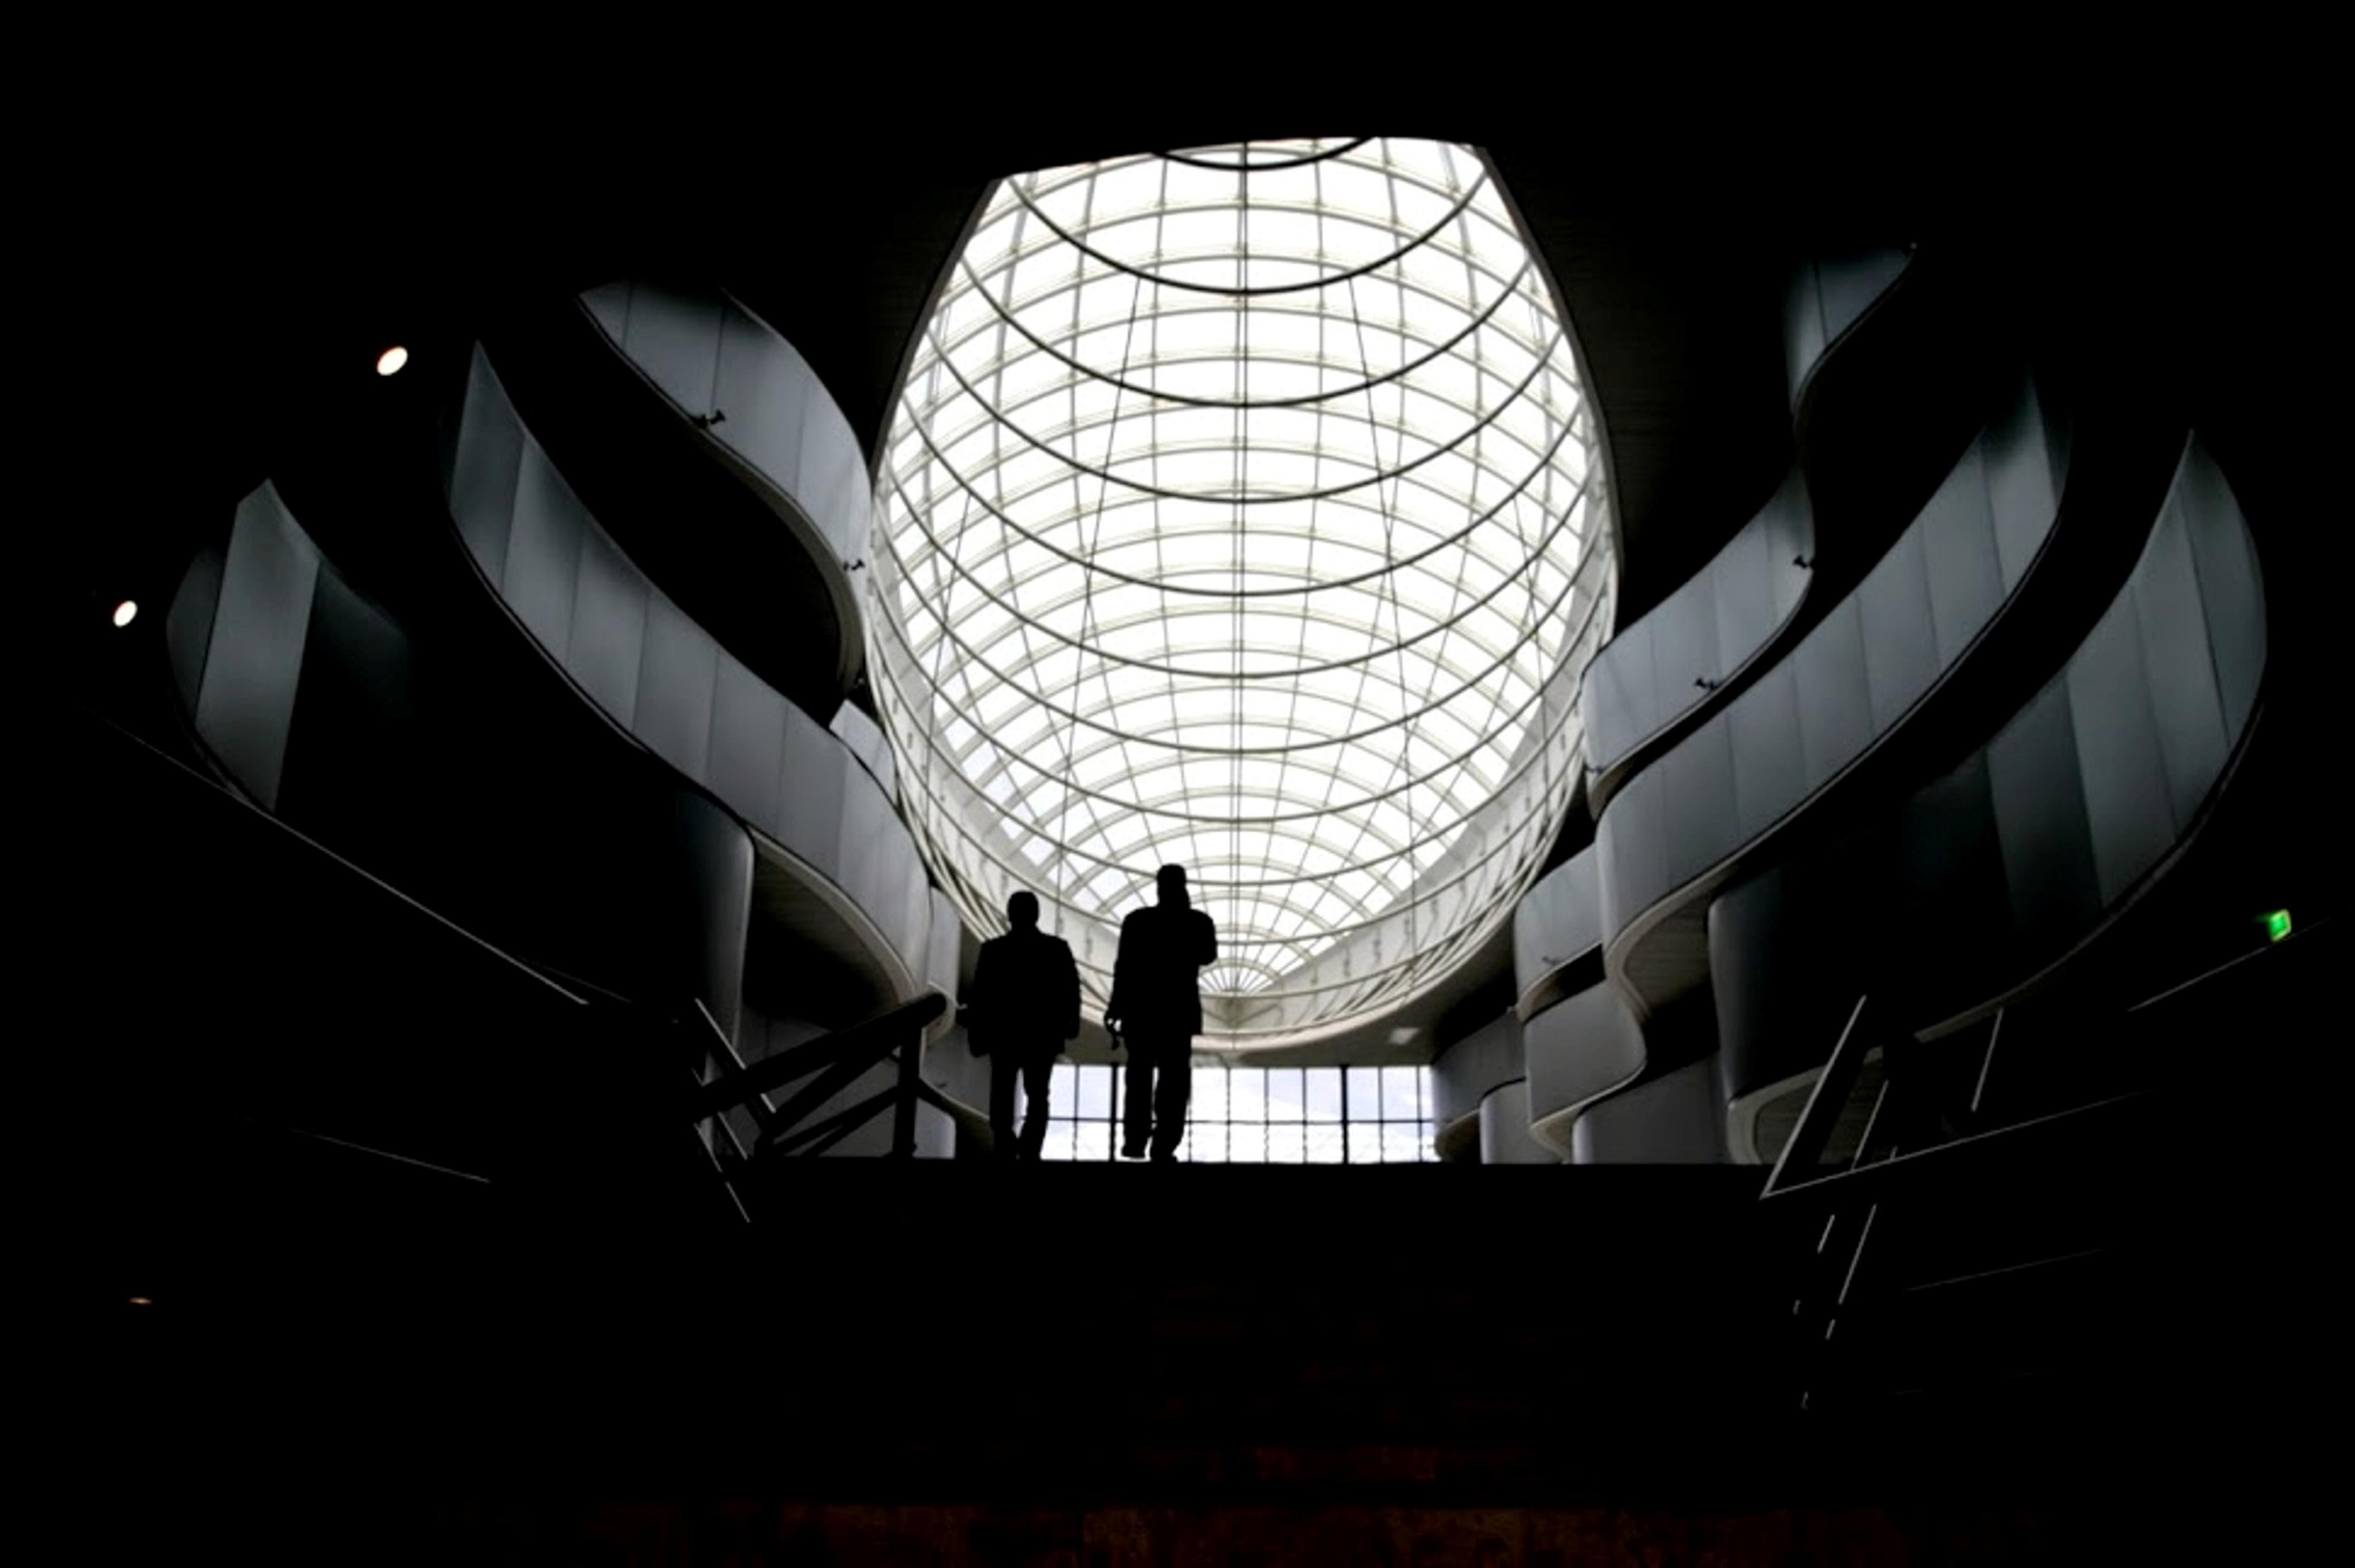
1754, 730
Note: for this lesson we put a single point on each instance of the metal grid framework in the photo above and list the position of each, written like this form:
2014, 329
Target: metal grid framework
1276, 1115
1243, 509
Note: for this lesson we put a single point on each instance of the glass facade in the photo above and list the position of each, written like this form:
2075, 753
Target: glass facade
1243, 509
1273, 1116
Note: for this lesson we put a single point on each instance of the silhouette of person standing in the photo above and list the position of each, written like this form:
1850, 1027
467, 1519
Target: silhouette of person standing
1156, 1004
1024, 1004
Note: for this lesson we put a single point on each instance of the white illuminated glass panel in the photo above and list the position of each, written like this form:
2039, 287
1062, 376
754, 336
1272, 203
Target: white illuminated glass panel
1241, 509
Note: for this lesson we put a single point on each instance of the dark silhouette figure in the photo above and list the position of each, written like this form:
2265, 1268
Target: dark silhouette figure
1157, 1010
1024, 1004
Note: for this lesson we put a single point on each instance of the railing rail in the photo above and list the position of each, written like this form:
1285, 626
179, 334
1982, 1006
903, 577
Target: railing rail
1813, 1135
1841, 1209
831, 1063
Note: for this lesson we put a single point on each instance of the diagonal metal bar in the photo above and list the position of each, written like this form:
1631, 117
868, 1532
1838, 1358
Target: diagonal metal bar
834, 1129
872, 1040
1814, 1133
2061, 1128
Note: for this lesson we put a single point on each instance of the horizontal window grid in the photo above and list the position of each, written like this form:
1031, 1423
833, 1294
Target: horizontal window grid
1277, 1116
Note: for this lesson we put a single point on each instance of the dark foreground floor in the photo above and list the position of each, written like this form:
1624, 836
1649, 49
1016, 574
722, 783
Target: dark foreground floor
1089, 1364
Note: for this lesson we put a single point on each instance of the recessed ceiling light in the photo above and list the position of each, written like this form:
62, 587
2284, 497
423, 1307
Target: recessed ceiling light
142, 1301
390, 361
125, 611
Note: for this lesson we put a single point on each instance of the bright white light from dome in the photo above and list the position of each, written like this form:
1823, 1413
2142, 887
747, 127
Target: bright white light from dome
126, 612
389, 362
1243, 509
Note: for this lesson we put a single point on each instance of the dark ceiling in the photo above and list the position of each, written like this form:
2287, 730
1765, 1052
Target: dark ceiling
261, 253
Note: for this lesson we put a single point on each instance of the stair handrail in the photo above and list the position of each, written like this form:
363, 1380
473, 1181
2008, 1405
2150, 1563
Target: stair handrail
836, 1060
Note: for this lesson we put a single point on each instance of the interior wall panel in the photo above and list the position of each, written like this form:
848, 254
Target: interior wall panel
1673, 1119
608, 645
1981, 879
541, 574
2118, 758
246, 704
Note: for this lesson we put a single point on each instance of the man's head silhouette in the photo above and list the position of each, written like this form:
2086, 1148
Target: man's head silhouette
1022, 911
1171, 881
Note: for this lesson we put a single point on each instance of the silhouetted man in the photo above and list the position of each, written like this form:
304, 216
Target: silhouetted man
1156, 1006
1024, 1004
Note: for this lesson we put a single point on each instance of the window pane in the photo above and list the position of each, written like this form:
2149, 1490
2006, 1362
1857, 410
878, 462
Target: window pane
1096, 1092
1246, 1096
1324, 1094
1399, 1101
1365, 1094
1402, 1141
1246, 1142
1207, 1141
1060, 1089
1286, 1102
1324, 1143
1283, 1143
1210, 1093
1058, 1141
1380, 289
1365, 1143
1092, 1140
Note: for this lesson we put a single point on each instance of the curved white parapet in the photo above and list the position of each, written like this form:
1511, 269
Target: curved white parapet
1827, 297
2033, 844
1672, 662
1556, 925
1703, 635
1466, 1071
666, 681
1668, 1120
1676, 832
1505, 1129
1584, 1047
759, 406
238, 691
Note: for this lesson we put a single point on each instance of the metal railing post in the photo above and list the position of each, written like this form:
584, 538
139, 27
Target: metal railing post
904, 1110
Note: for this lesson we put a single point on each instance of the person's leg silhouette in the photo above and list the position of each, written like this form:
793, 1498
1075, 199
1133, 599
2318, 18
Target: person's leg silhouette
1036, 1074
1136, 1116
1004, 1073
1170, 1099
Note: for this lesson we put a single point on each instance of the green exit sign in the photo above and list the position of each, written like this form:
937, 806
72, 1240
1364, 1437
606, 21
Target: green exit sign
2277, 925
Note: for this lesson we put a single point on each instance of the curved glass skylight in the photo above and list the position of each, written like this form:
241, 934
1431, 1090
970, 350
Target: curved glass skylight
1241, 509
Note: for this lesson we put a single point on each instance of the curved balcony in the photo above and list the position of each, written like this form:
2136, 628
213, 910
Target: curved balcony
757, 404
1702, 636
1829, 297
666, 681
1985, 882
1681, 828
1464, 1074
1670, 1120
1558, 935
1695, 652
440, 763
1584, 1047
1504, 1127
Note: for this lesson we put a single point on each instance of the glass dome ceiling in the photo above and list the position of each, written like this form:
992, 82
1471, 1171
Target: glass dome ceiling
1241, 509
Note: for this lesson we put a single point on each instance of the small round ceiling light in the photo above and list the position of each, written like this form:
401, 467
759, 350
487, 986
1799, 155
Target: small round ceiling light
389, 362
125, 613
